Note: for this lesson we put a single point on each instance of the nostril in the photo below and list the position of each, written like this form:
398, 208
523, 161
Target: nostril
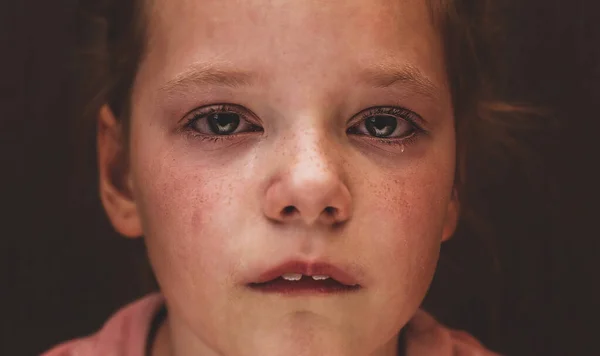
289, 210
330, 210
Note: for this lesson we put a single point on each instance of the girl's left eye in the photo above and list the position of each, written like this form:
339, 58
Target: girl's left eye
220, 121
386, 123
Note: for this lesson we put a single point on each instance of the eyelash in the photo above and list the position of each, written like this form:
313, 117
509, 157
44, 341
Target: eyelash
202, 113
399, 113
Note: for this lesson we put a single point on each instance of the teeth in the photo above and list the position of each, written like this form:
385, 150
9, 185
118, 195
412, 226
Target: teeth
298, 276
291, 276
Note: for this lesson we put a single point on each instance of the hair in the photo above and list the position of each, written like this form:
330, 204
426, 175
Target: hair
111, 45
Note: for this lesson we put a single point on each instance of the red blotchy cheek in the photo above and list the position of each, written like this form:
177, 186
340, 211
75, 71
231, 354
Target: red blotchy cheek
189, 209
409, 215
176, 206
183, 234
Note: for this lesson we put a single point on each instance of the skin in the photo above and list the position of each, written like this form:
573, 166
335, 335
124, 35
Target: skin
213, 212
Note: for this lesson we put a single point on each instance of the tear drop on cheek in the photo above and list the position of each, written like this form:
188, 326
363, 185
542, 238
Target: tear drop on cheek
402, 148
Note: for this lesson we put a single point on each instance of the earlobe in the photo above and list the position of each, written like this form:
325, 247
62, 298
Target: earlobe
452, 215
115, 183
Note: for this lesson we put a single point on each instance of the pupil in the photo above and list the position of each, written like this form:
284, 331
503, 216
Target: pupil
224, 123
381, 125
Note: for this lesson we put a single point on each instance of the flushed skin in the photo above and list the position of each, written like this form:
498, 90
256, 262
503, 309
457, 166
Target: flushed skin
303, 77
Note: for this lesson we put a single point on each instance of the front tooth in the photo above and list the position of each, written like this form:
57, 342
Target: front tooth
320, 277
291, 276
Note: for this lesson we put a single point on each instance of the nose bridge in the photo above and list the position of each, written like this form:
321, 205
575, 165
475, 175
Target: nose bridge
313, 158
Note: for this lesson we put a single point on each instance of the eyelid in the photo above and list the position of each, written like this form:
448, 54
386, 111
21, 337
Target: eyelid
410, 116
206, 110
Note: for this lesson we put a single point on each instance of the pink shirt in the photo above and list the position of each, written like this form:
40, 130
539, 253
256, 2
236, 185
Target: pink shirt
126, 332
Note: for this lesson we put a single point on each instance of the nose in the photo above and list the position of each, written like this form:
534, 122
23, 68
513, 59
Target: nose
308, 189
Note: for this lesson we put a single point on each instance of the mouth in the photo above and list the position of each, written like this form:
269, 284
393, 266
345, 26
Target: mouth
296, 277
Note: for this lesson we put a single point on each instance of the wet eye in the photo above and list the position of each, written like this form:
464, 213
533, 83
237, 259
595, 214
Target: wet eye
220, 121
381, 126
223, 123
383, 122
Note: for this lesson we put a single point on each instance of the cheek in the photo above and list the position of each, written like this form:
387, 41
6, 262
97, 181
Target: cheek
186, 210
405, 215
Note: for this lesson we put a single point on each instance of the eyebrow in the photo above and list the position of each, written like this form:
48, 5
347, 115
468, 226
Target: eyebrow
384, 76
381, 76
207, 74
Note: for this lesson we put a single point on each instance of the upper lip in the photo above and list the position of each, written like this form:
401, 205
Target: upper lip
342, 275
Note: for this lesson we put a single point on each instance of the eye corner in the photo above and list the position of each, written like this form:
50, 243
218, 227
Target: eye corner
353, 130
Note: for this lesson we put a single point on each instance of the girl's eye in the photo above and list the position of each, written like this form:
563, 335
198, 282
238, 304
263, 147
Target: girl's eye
381, 126
386, 123
223, 123
220, 121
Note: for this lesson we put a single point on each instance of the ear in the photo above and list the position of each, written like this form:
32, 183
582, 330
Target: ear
115, 181
452, 214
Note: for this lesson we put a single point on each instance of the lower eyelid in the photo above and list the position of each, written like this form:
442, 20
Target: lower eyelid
216, 138
401, 141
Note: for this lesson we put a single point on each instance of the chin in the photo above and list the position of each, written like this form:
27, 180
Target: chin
308, 334
308, 346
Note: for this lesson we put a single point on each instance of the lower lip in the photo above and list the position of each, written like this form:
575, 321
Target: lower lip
304, 286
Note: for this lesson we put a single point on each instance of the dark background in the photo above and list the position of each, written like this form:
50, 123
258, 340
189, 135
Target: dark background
64, 271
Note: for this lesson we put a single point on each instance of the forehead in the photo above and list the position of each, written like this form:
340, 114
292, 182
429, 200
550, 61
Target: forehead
276, 38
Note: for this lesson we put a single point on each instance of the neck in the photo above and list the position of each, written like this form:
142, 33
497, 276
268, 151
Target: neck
161, 346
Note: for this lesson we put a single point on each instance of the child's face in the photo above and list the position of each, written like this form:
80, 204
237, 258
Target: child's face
322, 164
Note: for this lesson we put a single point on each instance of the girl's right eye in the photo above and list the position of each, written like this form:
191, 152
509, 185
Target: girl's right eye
220, 120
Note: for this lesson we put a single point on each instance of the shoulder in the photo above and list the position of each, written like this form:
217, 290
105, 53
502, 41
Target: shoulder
426, 336
123, 334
